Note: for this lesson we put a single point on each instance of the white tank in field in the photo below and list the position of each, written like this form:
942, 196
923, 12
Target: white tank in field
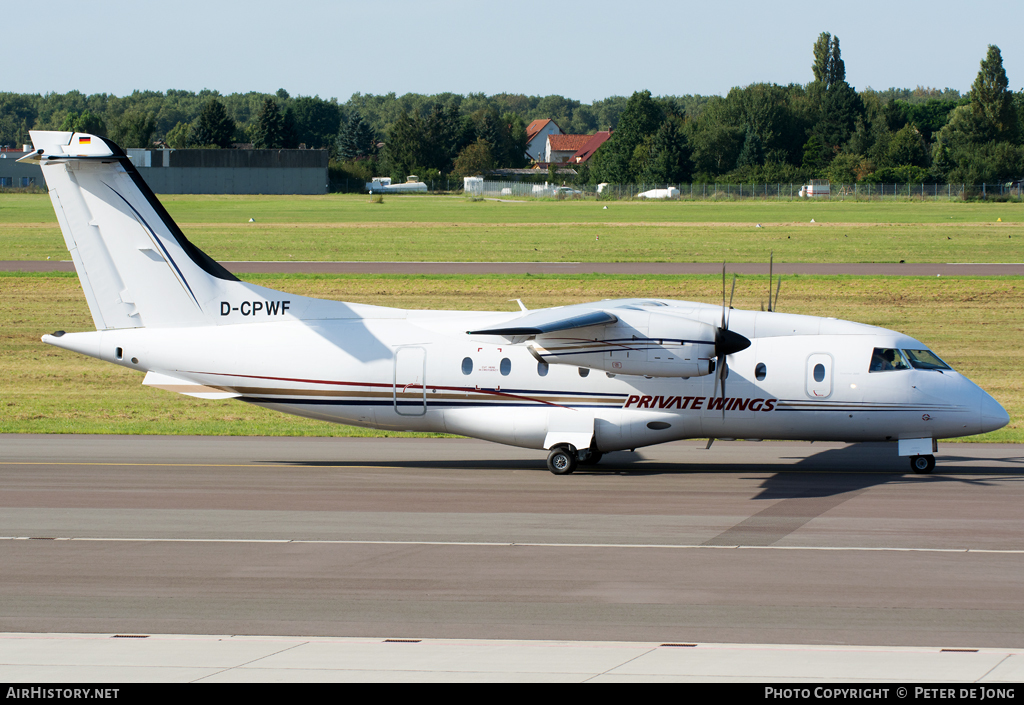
382, 184
670, 192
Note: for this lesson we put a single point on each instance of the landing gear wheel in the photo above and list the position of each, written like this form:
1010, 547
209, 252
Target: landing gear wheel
922, 464
593, 458
562, 460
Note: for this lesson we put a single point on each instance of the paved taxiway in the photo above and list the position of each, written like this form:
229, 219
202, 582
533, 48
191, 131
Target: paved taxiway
456, 539
202, 658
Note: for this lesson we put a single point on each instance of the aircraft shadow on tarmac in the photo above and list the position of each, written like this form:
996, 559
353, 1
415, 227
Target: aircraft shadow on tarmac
832, 472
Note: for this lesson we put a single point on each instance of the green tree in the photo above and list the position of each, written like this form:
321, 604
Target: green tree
670, 154
715, 138
906, 147
317, 121
828, 68
496, 130
445, 135
18, 114
404, 148
133, 129
752, 153
474, 160
268, 132
837, 104
990, 98
177, 137
814, 154
846, 168
290, 131
356, 140
214, 127
84, 122
617, 158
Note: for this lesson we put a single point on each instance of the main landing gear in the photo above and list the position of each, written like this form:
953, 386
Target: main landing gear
562, 460
922, 464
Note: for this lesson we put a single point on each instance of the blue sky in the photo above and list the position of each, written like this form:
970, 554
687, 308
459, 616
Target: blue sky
581, 50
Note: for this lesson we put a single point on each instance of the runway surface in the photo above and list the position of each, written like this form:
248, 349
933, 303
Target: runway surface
863, 269
757, 543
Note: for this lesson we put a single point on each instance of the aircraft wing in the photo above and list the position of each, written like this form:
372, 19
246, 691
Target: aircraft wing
546, 321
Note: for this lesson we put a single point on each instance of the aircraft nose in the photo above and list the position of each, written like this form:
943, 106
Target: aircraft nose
993, 416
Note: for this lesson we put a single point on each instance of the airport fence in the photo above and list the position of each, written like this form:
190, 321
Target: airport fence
735, 192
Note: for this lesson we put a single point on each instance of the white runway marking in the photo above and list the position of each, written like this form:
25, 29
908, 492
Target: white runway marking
884, 549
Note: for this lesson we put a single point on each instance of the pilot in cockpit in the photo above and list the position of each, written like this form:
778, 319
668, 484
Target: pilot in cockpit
886, 359
882, 359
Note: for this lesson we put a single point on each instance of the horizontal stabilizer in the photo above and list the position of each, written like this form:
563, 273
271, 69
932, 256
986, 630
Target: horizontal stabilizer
51, 146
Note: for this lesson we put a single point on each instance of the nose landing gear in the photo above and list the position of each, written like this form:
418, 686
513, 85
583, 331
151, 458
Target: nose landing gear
922, 464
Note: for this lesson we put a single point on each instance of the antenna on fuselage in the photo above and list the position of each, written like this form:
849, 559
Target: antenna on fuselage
771, 266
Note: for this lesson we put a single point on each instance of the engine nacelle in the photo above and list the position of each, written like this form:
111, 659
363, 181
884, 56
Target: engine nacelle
640, 343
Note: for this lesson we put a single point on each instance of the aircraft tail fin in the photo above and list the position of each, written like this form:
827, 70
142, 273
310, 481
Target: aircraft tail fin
136, 266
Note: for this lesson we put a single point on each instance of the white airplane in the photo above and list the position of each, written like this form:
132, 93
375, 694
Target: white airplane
578, 381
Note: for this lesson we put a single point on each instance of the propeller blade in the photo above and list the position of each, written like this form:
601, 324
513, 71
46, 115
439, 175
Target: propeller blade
723, 295
725, 373
718, 363
776, 306
771, 264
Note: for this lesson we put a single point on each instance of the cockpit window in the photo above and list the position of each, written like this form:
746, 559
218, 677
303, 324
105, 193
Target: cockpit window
887, 360
925, 360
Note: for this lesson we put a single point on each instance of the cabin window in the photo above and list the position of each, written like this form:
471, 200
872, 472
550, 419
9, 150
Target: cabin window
925, 360
819, 372
506, 366
887, 359
584, 371
467, 365
542, 369
761, 371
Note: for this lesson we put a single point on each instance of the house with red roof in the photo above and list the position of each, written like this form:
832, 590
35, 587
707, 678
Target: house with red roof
560, 148
537, 138
594, 141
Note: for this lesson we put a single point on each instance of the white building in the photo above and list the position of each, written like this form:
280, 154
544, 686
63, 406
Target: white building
537, 138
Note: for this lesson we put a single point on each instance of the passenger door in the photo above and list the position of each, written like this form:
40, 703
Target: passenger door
819, 376
409, 393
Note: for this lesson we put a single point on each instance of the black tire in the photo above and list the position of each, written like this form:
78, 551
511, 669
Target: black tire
922, 464
562, 460
593, 458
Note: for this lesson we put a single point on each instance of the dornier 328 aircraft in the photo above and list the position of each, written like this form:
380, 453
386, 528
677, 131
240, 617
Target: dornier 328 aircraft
578, 381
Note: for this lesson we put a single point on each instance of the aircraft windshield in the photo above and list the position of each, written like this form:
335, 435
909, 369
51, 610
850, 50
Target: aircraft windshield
925, 360
887, 360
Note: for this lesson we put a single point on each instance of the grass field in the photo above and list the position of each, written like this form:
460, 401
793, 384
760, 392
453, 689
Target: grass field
428, 228
974, 323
